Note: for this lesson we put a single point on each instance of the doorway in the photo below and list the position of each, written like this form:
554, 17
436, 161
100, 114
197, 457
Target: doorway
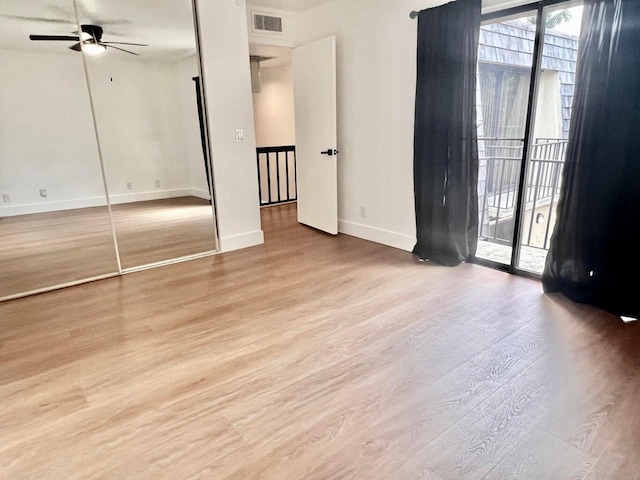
526, 80
273, 108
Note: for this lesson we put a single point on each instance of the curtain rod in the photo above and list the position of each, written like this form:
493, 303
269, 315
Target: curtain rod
533, 5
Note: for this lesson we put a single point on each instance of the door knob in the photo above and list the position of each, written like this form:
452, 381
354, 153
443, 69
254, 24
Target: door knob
331, 152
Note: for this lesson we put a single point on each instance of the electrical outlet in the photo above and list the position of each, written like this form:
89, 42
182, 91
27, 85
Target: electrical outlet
363, 211
6, 198
44, 193
158, 183
129, 186
239, 135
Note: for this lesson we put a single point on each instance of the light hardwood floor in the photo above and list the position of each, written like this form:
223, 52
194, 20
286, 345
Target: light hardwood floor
314, 357
159, 230
47, 249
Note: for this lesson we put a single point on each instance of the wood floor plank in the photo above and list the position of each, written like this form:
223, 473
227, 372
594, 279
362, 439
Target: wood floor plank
47, 249
602, 381
535, 457
615, 465
516, 351
159, 230
481, 439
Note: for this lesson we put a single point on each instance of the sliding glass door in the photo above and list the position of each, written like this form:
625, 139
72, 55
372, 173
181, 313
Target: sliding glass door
550, 132
526, 75
505, 65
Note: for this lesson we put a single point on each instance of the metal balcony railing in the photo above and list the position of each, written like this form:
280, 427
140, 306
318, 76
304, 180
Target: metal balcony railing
277, 175
500, 164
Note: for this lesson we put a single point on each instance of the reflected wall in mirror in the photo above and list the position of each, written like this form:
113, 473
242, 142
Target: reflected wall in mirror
54, 221
146, 107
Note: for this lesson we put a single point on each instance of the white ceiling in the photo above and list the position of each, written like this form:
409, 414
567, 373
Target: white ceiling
165, 25
289, 5
279, 56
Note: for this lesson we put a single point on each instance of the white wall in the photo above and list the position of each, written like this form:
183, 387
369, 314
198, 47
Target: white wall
225, 57
138, 114
273, 108
147, 119
46, 133
376, 50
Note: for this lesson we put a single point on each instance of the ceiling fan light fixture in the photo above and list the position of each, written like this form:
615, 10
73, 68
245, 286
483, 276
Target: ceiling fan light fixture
93, 48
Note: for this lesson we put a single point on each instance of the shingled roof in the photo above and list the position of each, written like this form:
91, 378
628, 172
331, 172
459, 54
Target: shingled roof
511, 43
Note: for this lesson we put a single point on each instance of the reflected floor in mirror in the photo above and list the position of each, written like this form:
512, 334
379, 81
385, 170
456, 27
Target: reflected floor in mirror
46, 249
161, 230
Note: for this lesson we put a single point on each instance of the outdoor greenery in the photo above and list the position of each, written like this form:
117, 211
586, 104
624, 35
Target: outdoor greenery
554, 19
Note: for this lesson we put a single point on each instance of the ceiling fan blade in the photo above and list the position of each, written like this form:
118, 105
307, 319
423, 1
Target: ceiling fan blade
126, 43
122, 50
54, 38
77, 47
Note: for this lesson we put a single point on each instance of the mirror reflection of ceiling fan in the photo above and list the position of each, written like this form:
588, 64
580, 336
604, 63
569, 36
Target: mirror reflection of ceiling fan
91, 45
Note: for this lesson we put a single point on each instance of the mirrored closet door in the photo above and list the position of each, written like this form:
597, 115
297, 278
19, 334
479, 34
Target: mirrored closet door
141, 74
103, 151
55, 227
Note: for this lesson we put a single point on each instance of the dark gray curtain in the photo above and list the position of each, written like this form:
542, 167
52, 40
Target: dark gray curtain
445, 139
595, 250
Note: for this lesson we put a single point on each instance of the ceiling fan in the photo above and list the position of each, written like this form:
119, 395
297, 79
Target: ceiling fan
92, 46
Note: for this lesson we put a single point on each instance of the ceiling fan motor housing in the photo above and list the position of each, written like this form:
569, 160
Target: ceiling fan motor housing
94, 30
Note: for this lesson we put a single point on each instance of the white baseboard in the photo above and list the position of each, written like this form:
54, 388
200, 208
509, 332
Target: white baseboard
147, 196
378, 235
203, 194
58, 205
55, 206
244, 240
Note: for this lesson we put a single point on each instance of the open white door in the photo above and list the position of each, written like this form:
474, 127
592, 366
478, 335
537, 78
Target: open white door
314, 86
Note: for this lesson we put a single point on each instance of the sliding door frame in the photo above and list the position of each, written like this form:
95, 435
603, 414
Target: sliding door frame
539, 8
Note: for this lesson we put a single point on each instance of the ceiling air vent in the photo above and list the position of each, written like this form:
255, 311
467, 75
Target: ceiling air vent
266, 23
